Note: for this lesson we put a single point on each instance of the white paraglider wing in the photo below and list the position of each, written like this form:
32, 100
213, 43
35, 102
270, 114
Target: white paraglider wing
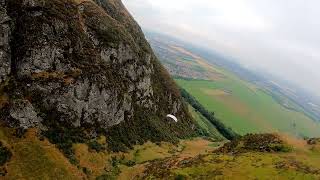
172, 117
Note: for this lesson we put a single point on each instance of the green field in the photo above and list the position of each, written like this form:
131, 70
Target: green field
207, 127
247, 109
239, 104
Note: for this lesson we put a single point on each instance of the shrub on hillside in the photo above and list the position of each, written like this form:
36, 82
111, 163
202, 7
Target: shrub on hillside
94, 145
5, 154
313, 141
256, 142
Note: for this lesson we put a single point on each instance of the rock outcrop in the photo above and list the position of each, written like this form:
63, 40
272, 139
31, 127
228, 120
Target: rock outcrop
5, 33
85, 64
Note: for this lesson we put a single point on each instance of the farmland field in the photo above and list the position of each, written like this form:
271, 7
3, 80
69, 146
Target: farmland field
247, 109
240, 104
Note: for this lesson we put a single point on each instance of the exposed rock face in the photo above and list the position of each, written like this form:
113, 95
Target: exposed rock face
23, 115
84, 64
5, 31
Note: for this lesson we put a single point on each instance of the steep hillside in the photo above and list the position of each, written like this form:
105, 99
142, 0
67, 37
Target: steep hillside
78, 69
82, 96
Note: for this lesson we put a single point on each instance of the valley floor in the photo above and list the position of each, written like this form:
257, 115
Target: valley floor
190, 159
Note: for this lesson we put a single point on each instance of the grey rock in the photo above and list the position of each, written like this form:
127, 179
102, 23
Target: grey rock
97, 69
33, 3
84, 103
23, 114
39, 60
176, 107
5, 35
120, 55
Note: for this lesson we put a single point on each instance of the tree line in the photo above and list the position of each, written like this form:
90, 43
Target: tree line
227, 132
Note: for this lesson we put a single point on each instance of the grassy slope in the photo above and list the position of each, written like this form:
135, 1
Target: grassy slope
301, 163
251, 166
193, 159
248, 109
133, 163
206, 125
35, 159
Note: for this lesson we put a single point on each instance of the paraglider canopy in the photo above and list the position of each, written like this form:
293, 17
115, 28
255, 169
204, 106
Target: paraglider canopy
172, 117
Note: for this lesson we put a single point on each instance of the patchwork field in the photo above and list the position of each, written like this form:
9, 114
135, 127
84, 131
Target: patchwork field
238, 103
246, 109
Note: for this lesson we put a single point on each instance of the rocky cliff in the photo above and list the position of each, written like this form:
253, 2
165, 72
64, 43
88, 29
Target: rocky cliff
84, 65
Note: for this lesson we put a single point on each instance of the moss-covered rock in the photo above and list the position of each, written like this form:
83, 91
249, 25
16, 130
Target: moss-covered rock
5, 31
84, 66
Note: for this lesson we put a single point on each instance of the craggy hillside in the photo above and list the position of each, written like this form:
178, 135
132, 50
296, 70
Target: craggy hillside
77, 69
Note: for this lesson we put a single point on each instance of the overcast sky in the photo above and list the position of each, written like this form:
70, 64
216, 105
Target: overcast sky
281, 37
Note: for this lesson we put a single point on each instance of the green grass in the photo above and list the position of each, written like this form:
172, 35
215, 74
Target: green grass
35, 159
246, 109
302, 162
246, 166
206, 125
